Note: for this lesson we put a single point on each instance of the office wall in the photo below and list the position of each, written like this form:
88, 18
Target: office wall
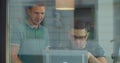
105, 26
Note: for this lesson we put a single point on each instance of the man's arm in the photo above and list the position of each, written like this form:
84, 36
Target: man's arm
14, 54
93, 59
102, 59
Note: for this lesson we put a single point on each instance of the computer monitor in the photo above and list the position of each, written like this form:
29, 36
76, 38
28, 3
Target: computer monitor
65, 56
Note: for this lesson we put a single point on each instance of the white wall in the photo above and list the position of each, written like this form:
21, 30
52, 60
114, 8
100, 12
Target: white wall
105, 26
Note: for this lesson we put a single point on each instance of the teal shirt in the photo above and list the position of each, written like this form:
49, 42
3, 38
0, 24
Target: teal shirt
94, 48
31, 41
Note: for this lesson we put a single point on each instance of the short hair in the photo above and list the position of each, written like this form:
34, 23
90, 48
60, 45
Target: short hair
78, 24
39, 3
29, 5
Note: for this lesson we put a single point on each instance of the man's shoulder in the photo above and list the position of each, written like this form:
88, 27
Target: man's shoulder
21, 27
95, 49
92, 44
43, 28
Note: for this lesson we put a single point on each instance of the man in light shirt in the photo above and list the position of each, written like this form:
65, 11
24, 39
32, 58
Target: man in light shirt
29, 39
78, 41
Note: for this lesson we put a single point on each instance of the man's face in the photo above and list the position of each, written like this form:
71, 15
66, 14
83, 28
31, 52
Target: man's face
78, 39
36, 14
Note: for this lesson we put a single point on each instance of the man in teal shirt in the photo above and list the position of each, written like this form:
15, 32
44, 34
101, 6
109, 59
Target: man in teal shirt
78, 41
29, 39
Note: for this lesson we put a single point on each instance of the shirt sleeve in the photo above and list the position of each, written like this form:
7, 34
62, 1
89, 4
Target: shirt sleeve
95, 49
99, 51
14, 35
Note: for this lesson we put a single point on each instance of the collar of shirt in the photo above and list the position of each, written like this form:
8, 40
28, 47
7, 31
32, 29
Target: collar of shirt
32, 26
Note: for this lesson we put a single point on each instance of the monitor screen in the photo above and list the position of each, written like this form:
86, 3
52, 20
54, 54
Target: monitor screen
65, 56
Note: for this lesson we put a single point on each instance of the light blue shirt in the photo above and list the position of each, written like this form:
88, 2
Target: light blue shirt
31, 41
